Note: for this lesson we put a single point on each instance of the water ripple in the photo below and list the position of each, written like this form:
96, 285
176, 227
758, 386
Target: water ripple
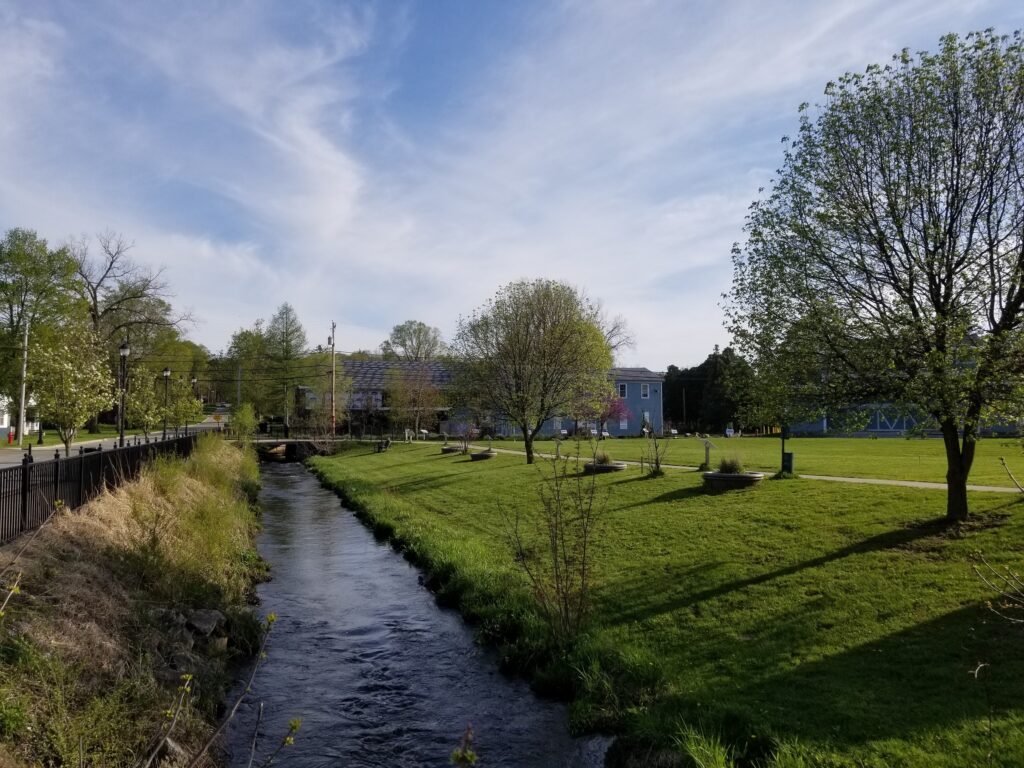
379, 675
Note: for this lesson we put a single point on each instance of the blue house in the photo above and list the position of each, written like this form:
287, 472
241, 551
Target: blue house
640, 389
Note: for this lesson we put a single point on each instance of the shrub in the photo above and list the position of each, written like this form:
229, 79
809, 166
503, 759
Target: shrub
730, 466
601, 457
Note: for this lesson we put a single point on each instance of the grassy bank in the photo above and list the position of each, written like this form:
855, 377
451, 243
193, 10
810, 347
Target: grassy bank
93, 647
887, 458
841, 622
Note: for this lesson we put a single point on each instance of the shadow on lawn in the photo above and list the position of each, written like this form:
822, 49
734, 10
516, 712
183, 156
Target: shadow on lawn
677, 494
642, 589
907, 682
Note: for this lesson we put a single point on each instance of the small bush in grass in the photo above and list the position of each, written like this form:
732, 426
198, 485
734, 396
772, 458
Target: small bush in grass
730, 466
601, 457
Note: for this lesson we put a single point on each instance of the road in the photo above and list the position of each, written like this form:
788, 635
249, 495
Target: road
13, 456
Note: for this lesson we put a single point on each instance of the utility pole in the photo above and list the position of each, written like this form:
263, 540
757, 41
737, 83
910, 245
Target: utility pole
24, 378
334, 410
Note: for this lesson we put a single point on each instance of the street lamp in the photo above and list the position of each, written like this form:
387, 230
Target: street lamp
167, 381
124, 351
194, 394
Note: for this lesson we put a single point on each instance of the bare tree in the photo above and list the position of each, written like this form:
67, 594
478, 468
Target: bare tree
120, 295
555, 547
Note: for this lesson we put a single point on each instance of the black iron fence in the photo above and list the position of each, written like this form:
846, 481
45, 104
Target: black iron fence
30, 492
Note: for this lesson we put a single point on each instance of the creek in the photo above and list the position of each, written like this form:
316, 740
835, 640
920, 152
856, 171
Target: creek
379, 674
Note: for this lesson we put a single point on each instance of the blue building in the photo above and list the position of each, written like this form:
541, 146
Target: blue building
639, 389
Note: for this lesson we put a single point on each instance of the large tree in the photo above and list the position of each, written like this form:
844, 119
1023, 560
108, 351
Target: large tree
413, 396
124, 301
36, 296
891, 246
533, 352
413, 340
71, 382
286, 345
122, 298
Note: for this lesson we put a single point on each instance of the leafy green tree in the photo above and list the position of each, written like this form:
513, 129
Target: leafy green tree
144, 405
889, 254
243, 422
713, 394
36, 295
532, 352
71, 382
413, 340
183, 407
286, 346
247, 360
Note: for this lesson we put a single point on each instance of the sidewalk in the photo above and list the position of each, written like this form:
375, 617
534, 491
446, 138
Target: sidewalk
11, 455
826, 478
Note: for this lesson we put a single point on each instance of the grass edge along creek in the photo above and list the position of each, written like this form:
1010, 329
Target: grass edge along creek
119, 598
830, 625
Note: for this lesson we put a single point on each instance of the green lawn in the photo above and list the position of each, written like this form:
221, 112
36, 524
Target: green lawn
887, 458
838, 617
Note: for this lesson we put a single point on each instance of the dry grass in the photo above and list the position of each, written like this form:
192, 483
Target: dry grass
79, 647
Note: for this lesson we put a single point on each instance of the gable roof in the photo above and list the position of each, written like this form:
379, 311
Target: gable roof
378, 374
634, 374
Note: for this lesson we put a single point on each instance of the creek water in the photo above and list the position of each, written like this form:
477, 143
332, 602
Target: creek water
361, 652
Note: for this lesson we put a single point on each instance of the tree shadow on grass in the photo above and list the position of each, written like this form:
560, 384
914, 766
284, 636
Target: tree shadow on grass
913, 680
676, 494
907, 686
895, 539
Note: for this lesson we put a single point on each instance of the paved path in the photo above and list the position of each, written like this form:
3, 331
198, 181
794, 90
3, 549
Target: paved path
11, 456
826, 478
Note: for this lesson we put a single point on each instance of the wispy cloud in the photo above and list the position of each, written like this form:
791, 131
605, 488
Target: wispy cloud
268, 153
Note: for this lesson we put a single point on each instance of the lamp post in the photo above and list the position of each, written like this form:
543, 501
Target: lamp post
124, 351
167, 381
194, 395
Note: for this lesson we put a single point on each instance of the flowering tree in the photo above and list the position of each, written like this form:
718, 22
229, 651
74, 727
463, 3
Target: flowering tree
613, 408
71, 384
143, 406
183, 407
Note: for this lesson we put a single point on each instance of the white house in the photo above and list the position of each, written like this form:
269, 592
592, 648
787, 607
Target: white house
9, 418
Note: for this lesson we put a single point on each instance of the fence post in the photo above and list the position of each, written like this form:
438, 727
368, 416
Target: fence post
81, 475
56, 478
26, 486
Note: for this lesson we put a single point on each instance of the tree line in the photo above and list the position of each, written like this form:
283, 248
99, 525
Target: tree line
66, 315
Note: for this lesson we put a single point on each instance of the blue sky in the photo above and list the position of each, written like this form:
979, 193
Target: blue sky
376, 162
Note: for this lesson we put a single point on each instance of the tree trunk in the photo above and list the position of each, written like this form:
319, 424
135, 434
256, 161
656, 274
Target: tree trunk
528, 442
958, 467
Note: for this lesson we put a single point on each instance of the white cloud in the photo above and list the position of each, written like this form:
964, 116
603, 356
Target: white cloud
615, 145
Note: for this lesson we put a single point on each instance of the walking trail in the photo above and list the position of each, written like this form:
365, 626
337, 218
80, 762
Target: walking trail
827, 478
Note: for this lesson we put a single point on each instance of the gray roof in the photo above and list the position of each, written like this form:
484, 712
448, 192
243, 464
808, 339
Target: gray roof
377, 374
634, 374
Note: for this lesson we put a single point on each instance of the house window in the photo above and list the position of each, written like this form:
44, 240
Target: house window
623, 423
622, 390
645, 391
647, 418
